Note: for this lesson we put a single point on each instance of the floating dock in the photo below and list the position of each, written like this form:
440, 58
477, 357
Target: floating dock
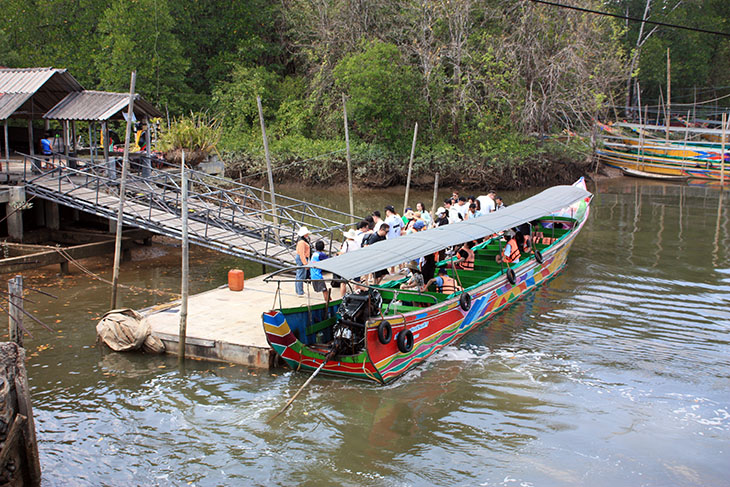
225, 325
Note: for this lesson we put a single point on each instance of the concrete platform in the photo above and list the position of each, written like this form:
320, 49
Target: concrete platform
225, 325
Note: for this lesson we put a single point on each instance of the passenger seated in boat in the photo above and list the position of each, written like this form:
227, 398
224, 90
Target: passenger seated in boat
444, 283
511, 251
466, 258
416, 279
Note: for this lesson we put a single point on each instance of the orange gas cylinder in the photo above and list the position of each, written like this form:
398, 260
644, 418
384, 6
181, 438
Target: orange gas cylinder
235, 280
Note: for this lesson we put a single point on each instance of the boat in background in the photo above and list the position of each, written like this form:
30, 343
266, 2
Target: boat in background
649, 175
378, 333
661, 157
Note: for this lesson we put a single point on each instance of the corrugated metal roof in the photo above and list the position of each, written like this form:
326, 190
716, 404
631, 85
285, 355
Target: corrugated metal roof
44, 88
98, 106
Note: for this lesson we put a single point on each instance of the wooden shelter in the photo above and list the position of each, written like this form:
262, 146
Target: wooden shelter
28, 93
100, 107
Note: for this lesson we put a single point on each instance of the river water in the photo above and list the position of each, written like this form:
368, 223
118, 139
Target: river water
617, 372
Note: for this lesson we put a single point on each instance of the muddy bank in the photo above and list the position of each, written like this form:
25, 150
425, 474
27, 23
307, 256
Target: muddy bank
466, 174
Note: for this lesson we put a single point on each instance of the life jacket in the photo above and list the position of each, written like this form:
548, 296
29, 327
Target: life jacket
450, 285
468, 263
514, 255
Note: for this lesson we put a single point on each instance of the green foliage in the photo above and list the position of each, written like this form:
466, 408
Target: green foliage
138, 36
235, 98
198, 132
381, 88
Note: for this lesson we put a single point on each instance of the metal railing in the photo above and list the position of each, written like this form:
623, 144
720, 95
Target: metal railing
225, 215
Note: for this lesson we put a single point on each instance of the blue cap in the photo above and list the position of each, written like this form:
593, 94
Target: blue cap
419, 225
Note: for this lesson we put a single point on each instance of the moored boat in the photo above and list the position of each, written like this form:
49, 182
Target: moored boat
380, 332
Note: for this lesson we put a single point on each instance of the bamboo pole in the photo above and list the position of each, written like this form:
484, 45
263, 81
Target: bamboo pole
410, 166
15, 313
668, 115
349, 161
268, 166
686, 138
435, 196
722, 161
122, 189
185, 262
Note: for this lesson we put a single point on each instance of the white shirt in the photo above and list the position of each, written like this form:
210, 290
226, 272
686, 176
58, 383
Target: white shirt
396, 224
486, 204
377, 226
453, 215
462, 210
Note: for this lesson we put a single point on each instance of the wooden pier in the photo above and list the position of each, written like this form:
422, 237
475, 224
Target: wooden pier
225, 325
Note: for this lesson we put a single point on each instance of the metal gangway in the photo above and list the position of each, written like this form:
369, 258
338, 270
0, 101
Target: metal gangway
223, 215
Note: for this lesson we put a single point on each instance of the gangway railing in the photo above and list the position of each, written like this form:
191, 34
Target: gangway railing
228, 216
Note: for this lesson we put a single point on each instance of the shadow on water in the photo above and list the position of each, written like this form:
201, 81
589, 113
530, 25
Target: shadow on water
614, 373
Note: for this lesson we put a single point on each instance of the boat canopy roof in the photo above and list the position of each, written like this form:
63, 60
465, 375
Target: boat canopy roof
388, 253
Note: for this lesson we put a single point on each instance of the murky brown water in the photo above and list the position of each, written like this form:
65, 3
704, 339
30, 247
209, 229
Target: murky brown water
615, 373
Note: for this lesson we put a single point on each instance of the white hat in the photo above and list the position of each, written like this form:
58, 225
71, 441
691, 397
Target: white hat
350, 234
302, 231
440, 210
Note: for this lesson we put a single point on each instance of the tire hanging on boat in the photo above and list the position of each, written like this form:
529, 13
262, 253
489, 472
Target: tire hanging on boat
385, 332
538, 257
404, 338
465, 301
511, 276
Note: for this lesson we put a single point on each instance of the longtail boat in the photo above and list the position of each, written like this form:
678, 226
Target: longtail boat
378, 333
682, 159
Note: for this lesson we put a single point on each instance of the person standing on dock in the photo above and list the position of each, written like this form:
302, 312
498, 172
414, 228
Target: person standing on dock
304, 250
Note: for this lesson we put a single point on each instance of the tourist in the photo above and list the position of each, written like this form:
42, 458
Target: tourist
511, 251
425, 215
409, 219
405, 215
377, 221
441, 217
461, 207
376, 237
498, 203
444, 283
363, 230
302, 258
472, 213
416, 279
487, 202
316, 274
394, 222
451, 212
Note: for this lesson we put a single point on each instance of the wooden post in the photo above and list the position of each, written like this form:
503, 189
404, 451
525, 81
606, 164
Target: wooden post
669, 95
435, 195
349, 162
91, 142
31, 148
15, 315
268, 165
410, 166
7, 145
686, 138
66, 142
105, 143
722, 162
122, 189
185, 265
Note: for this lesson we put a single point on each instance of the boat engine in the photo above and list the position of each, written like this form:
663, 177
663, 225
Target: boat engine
353, 313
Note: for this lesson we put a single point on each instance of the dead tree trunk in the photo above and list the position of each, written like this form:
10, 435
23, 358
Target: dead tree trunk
19, 462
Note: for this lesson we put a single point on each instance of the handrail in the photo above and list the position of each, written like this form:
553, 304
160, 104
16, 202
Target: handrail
240, 209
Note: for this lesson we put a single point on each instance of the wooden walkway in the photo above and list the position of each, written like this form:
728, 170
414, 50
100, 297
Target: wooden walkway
223, 215
149, 217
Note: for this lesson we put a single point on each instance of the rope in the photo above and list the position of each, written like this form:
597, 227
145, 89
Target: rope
90, 273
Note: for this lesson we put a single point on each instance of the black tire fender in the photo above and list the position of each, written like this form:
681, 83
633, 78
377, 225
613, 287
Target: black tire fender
465, 301
538, 257
404, 338
511, 276
385, 332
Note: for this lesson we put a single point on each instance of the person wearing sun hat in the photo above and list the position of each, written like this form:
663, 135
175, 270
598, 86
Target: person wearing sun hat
304, 250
